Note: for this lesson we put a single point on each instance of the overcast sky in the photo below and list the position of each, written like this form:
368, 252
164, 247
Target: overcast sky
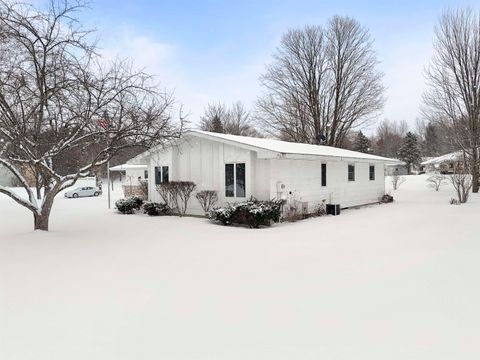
210, 51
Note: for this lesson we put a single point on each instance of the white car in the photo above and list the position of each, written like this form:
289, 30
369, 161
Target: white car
83, 191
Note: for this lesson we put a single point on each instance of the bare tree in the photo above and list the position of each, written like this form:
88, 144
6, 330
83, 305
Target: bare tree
235, 120
207, 199
462, 182
214, 118
389, 137
176, 194
321, 81
58, 96
436, 181
397, 180
453, 97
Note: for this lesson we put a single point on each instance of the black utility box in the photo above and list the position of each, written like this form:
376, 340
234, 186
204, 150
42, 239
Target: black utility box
333, 209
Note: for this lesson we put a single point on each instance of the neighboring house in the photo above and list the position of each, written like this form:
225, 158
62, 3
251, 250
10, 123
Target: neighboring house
131, 173
397, 168
6, 177
444, 164
240, 167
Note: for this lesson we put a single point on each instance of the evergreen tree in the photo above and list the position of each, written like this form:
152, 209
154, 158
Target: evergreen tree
362, 143
217, 125
409, 152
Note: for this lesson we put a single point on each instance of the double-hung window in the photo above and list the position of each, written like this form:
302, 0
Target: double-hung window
351, 172
161, 174
235, 180
324, 174
372, 172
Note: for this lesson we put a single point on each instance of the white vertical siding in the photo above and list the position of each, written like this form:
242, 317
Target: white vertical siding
302, 180
203, 161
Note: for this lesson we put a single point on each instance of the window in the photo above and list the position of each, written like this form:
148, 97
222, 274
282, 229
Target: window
229, 180
235, 180
372, 172
351, 172
161, 174
145, 174
324, 174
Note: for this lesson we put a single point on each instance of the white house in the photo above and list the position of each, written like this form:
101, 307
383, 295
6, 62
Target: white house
240, 167
131, 173
444, 163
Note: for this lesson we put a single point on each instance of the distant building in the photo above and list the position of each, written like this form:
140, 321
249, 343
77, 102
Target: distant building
399, 168
444, 164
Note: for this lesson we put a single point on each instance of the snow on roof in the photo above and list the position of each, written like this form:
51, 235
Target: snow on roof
455, 156
125, 167
285, 147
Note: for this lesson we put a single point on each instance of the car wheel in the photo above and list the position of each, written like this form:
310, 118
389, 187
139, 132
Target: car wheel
96, 193
75, 195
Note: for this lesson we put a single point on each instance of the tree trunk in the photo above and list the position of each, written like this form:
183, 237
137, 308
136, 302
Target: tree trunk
41, 221
475, 173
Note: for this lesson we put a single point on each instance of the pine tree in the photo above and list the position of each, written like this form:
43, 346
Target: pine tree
362, 143
217, 125
409, 152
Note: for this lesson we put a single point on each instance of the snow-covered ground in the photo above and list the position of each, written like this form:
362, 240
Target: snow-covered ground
395, 281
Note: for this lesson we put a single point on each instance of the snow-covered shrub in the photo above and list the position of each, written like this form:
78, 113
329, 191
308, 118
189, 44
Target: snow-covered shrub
320, 210
137, 201
129, 205
454, 201
386, 198
436, 181
462, 182
397, 180
207, 199
252, 213
126, 206
156, 209
176, 194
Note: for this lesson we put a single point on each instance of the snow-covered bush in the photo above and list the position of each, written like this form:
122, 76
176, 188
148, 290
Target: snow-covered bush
156, 209
320, 210
138, 201
386, 198
436, 181
207, 199
126, 206
252, 213
462, 182
129, 205
397, 180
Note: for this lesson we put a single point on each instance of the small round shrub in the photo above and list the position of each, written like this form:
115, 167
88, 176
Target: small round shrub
126, 206
156, 209
386, 198
137, 201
